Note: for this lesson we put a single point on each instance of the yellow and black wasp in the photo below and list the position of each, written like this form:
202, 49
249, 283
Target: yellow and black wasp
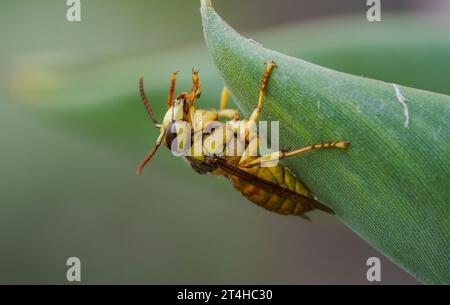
274, 188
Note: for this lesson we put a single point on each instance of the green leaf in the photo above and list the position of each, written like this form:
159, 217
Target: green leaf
392, 186
97, 96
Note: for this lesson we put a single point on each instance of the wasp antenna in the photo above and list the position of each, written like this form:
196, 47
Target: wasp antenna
147, 159
147, 105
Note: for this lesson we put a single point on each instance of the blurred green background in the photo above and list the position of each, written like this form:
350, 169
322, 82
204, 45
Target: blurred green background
73, 130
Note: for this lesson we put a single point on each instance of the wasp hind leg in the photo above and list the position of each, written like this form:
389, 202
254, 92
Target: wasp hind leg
283, 154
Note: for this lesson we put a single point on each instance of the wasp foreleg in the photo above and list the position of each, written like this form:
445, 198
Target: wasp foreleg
195, 90
173, 83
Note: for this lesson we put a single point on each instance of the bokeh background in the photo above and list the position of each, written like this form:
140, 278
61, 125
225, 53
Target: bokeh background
73, 130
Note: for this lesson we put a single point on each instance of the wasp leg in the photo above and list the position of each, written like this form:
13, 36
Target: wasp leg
230, 114
224, 98
201, 120
223, 112
204, 120
251, 151
205, 117
282, 154
173, 83
269, 68
195, 90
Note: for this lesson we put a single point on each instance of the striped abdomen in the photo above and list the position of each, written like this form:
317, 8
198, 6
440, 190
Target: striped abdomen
279, 175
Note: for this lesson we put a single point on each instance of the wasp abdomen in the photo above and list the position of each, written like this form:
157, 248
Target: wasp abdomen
282, 176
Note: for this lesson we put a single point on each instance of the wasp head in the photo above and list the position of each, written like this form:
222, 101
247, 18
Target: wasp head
180, 108
178, 111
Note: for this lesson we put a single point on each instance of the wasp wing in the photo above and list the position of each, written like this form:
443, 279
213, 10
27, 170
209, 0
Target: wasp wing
268, 185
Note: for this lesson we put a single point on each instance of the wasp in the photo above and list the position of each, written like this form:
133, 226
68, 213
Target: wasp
274, 188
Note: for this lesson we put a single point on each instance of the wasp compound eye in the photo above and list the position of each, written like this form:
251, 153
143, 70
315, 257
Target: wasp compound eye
170, 135
178, 138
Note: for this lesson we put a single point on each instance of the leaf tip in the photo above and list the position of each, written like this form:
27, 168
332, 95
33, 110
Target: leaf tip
206, 3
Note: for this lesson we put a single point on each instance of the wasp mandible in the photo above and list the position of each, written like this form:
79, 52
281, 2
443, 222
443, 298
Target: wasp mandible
274, 188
